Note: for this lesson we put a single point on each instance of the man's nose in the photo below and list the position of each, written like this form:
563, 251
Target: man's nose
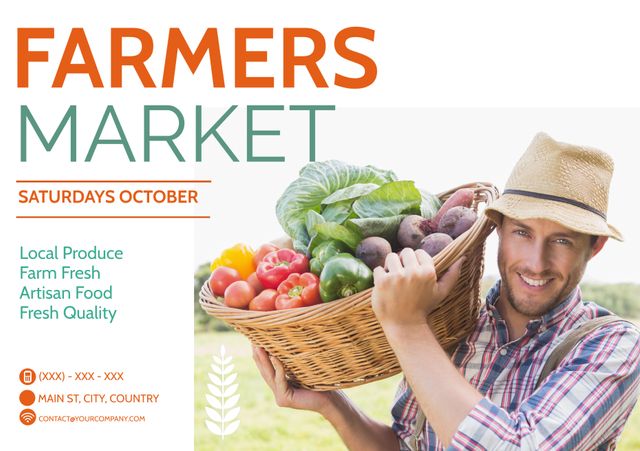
537, 260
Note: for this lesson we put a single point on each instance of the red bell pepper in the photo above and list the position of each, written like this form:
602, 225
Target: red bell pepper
298, 290
277, 265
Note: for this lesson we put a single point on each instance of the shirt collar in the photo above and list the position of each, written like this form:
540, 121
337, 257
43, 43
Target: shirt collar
556, 314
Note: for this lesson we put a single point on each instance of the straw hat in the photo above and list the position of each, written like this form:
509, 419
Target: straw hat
562, 182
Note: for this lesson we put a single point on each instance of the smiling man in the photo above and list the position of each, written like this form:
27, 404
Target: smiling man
506, 386
541, 262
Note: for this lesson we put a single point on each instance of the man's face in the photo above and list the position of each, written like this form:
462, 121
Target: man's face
540, 263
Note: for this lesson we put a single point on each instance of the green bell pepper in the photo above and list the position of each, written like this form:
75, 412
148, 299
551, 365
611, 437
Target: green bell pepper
323, 252
342, 276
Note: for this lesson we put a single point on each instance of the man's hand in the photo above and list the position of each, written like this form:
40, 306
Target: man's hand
356, 429
272, 372
407, 289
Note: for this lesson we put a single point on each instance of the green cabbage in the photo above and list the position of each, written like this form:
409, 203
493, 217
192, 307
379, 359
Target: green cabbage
367, 200
317, 181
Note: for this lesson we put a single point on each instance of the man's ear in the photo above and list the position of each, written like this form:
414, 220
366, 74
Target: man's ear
499, 226
598, 245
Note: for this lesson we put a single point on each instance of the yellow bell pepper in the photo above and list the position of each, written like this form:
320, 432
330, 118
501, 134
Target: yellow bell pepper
238, 257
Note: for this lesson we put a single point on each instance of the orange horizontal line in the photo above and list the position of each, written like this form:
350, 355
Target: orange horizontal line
113, 181
113, 217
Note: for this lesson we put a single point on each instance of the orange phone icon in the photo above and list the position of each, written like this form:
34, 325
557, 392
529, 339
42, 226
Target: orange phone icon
27, 376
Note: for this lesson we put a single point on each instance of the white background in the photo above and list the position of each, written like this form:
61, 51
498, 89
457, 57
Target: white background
579, 54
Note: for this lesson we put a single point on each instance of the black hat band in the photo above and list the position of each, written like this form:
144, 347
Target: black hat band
565, 200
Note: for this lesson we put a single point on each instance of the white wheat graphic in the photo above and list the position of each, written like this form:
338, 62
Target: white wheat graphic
222, 398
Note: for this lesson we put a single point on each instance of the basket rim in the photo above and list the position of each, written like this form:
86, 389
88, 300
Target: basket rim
481, 229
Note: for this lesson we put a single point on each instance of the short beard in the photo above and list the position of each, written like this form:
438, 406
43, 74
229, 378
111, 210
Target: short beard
528, 308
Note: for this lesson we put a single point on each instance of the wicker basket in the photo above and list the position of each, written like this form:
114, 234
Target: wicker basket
341, 344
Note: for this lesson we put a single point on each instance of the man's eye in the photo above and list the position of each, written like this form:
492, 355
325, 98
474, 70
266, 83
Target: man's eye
521, 232
563, 241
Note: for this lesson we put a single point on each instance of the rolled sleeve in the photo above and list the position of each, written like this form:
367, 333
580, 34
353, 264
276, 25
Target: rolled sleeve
403, 412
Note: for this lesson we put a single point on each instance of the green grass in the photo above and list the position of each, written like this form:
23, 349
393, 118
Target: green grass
266, 427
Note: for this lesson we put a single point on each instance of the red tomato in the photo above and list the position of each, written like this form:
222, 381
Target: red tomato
255, 283
284, 301
262, 251
239, 294
264, 301
221, 278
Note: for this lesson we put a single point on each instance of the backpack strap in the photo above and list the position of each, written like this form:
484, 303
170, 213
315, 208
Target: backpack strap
570, 341
414, 442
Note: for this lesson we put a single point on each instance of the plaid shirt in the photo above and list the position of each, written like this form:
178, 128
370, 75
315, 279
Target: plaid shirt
584, 404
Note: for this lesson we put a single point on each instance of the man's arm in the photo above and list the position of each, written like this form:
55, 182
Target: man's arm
357, 430
445, 397
583, 404
404, 294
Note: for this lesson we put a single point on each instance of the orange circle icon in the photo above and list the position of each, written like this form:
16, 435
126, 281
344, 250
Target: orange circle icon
27, 417
27, 397
27, 376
